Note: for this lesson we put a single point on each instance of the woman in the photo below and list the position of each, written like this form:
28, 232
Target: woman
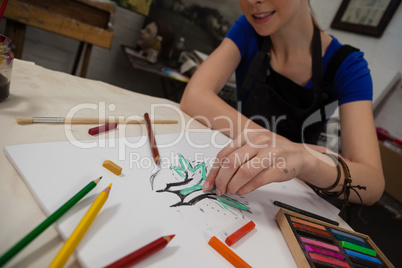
280, 57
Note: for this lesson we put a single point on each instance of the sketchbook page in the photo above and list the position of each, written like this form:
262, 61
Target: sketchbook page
142, 207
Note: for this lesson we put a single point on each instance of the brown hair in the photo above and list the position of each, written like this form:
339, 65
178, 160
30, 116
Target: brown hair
315, 22
167, 33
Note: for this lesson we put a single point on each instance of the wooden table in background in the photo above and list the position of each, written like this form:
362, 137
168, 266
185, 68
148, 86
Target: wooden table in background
84, 20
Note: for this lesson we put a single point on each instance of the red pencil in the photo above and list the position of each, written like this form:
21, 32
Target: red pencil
142, 253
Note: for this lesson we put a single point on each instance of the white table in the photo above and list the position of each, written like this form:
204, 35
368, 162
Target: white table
36, 91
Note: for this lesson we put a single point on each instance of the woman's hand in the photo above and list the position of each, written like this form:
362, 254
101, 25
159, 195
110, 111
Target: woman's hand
253, 159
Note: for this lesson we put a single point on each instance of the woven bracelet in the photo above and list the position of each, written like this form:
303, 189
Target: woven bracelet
347, 180
338, 178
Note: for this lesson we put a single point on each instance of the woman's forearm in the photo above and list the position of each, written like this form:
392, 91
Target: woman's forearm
213, 112
321, 172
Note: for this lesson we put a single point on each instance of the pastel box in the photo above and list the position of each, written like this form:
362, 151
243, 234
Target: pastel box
317, 244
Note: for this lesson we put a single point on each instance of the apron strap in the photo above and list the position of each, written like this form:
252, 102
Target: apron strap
317, 62
336, 61
256, 67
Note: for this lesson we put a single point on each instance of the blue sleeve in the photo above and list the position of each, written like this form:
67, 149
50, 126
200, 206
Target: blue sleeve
353, 80
242, 34
245, 38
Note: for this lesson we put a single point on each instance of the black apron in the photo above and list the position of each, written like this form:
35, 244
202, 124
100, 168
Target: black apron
282, 106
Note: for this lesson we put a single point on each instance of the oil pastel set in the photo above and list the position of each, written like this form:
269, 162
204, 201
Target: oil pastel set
318, 244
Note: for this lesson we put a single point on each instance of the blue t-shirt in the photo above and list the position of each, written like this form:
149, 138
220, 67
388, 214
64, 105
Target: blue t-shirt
352, 81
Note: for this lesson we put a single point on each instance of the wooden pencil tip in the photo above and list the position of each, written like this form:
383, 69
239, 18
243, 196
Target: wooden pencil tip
168, 238
107, 189
24, 120
157, 160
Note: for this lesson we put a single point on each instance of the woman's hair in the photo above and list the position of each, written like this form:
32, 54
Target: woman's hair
315, 22
167, 33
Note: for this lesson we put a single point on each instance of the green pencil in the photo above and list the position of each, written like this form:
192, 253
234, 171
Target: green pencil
46, 223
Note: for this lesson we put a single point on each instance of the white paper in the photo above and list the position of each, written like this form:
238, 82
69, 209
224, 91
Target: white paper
135, 214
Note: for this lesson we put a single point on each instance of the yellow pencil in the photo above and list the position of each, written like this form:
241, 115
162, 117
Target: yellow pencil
71, 243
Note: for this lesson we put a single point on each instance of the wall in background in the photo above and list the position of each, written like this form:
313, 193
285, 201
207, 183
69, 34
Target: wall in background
381, 53
384, 56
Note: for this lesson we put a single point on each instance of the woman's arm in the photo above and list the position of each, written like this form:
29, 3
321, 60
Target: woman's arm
360, 151
360, 147
200, 98
256, 158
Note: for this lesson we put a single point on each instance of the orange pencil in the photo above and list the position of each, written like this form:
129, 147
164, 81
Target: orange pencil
151, 137
227, 253
236, 236
142, 253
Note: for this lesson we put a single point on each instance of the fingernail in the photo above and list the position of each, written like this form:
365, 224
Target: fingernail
205, 186
218, 192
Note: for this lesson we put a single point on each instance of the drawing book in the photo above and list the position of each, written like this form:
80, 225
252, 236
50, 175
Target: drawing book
140, 209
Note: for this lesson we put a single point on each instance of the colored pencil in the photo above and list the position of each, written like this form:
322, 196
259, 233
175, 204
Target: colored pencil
227, 253
142, 253
3, 7
47, 222
236, 236
81, 229
83, 120
152, 141
305, 213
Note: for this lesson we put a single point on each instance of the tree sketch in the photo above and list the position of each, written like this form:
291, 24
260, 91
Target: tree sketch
188, 186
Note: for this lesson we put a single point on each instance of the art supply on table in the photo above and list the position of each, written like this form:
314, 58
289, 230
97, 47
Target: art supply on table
236, 236
152, 141
231, 202
116, 169
46, 223
103, 128
155, 208
154, 149
227, 253
142, 253
304, 212
314, 243
81, 229
84, 120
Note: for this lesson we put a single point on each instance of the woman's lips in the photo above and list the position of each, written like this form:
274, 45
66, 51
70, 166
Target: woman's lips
262, 17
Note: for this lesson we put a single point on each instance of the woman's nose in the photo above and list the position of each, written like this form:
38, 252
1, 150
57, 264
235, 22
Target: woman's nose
254, 2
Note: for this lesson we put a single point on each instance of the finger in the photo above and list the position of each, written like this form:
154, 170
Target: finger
209, 183
230, 165
265, 177
247, 172
231, 147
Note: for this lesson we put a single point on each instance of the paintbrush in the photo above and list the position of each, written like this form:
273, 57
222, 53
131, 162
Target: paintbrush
84, 120
154, 148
